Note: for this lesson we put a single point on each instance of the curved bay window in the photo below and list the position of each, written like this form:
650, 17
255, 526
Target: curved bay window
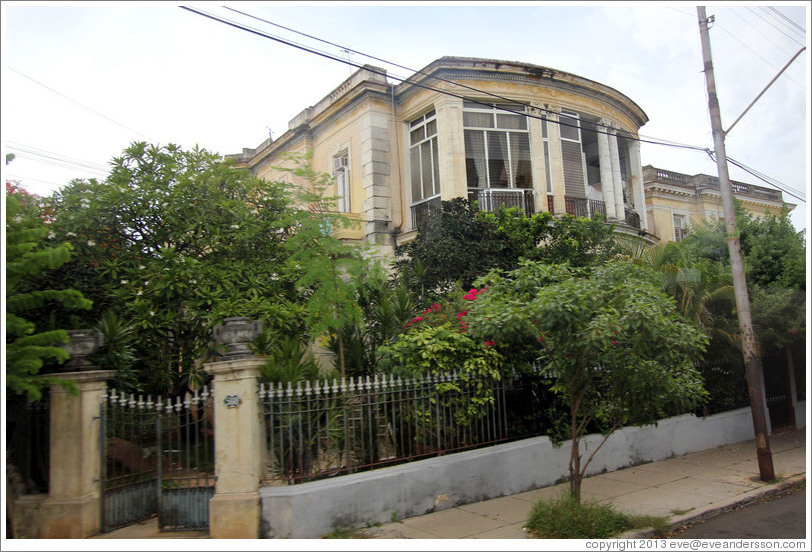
497, 155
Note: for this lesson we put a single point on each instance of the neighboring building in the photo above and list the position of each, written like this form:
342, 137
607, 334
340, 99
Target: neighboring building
674, 201
502, 133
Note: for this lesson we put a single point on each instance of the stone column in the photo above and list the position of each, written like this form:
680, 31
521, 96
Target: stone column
375, 155
234, 511
556, 161
638, 195
72, 509
605, 160
617, 179
451, 148
537, 154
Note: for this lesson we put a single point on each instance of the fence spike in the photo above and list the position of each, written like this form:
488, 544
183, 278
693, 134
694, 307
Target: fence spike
186, 402
290, 390
367, 384
168, 405
177, 404
149, 402
261, 391
140, 402
131, 402
308, 391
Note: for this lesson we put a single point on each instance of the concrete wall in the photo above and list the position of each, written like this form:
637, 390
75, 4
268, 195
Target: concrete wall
314, 509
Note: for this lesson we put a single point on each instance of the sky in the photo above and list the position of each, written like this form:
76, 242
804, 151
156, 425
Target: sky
81, 81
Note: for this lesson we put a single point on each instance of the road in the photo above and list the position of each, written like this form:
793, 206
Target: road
781, 516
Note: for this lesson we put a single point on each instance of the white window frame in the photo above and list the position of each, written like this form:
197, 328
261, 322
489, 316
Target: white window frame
494, 110
679, 229
341, 174
424, 123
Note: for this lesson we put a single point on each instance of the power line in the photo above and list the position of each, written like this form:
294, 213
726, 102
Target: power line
77, 103
55, 158
621, 132
793, 26
776, 184
773, 26
308, 49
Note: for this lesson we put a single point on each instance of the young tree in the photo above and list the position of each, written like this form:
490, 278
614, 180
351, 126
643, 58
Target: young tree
29, 342
609, 339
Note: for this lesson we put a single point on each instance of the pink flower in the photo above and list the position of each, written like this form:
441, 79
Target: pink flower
489, 343
614, 342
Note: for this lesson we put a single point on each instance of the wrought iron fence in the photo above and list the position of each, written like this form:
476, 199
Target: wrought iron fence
323, 429
158, 457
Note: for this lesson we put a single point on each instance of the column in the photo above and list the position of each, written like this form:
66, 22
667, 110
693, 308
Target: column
556, 161
617, 181
234, 511
375, 155
451, 148
73, 507
638, 192
537, 167
605, 160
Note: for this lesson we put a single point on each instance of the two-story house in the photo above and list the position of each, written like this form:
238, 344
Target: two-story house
498, 132
674, 200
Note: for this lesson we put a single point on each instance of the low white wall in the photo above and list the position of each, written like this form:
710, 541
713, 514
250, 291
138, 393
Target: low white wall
314, 509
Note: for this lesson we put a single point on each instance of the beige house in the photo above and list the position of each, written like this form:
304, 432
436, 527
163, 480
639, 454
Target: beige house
501, 133
674, 201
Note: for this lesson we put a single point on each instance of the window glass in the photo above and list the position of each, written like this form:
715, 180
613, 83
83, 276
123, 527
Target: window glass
423, 159
477, 120
569, 128
511, 121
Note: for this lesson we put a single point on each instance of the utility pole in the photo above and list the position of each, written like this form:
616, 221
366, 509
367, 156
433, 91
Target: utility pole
752, 361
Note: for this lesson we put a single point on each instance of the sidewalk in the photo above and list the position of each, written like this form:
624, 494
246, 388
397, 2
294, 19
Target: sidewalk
685, 489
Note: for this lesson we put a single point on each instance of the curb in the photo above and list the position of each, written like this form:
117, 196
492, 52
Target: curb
721, 507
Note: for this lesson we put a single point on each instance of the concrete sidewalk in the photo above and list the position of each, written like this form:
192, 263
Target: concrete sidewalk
685, 489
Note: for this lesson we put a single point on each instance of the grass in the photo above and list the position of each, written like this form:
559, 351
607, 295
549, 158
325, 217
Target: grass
566, 518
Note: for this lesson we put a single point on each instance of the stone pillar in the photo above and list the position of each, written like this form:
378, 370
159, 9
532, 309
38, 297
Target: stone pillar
556, 161
375, 154
605, 161
234, 511
73, 507
617, 179
451, 148
638, 194
538, 167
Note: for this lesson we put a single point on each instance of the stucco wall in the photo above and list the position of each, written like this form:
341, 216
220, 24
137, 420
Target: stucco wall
314, 509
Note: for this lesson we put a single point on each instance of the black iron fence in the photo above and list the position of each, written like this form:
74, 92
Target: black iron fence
323, 429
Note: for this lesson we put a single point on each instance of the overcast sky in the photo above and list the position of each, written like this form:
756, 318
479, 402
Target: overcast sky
82, 81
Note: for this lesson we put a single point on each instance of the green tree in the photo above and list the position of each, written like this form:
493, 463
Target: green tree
463, 243
611, 341
29, 344
172, 242
325, 264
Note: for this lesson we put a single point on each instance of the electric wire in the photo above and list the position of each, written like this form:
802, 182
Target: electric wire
800, 29
789, 191
418, 84
74, 101
620, 132
773, 26
55, 157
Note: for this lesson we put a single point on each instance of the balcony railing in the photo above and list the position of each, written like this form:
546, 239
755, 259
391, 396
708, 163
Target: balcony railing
491, 199
423, 210
583, 207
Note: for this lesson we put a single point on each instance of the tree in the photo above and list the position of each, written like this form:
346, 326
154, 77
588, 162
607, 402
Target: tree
609, 339
463, 243
172, 242
325, 264
29, 345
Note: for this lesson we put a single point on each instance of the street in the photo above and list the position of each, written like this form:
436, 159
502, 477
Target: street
781, 516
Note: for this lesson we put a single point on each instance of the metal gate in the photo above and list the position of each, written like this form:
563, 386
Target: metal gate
157, 458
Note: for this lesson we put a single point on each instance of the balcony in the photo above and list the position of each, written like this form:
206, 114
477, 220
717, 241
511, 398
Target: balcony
580, 206
491, 199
